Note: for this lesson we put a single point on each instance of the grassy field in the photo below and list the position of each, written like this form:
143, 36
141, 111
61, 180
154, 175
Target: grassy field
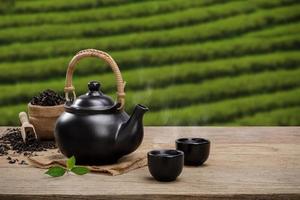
210, 62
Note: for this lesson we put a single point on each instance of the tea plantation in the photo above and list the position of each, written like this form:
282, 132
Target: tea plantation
206, 62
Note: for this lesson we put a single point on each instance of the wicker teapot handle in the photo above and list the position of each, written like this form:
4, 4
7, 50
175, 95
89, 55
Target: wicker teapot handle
109, 60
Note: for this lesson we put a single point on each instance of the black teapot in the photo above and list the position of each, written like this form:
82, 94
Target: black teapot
94, 128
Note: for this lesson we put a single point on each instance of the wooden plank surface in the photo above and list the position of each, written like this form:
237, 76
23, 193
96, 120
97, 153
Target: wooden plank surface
245, 163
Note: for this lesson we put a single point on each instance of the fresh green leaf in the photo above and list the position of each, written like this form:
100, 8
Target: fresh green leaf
80, 170
56, 171
71, 162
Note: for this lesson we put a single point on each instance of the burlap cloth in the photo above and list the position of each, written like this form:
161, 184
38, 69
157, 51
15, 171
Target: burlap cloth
127, 163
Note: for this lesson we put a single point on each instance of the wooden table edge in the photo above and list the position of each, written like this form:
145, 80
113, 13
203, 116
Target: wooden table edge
290, 196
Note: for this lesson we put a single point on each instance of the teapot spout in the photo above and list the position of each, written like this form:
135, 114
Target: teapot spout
131, 133
138, 114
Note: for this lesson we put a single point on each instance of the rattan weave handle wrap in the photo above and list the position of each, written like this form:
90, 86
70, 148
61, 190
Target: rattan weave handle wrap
109, 60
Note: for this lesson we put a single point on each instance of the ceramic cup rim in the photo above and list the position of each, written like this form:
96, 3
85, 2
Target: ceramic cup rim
165, 153
195, 141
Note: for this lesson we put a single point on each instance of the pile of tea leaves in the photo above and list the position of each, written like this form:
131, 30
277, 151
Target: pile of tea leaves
48, 98
12, 141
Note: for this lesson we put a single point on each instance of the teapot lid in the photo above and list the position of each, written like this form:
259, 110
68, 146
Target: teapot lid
92, 101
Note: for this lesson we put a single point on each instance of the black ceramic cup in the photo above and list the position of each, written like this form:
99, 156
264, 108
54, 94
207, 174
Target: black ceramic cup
165, 165
196, 150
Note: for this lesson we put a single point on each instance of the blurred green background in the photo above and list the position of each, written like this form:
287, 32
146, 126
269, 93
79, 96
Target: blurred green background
192, 62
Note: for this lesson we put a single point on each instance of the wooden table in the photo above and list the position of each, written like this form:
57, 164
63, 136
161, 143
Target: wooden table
245, 163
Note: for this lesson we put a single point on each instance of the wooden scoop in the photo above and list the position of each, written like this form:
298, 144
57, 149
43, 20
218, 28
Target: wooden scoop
26, 127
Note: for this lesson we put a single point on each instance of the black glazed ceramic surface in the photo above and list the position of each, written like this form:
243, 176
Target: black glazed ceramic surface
165, 165
95, 131
196, 150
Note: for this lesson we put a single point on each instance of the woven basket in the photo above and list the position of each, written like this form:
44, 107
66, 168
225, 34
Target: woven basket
43, 118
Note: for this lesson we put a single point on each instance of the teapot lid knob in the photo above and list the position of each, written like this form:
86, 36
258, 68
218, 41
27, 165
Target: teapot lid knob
94, 86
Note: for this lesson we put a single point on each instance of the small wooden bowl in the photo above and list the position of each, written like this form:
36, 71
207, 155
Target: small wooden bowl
43, 118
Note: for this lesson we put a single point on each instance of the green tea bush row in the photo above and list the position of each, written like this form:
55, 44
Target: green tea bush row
285, 29
16, 6
96, 29
184, 94
207, 113
138, 9
212, 90
278, 117
41, 69
209, 31
223, 111
10, 114
156, 77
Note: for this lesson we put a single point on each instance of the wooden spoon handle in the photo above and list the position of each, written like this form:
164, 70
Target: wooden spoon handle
23, 117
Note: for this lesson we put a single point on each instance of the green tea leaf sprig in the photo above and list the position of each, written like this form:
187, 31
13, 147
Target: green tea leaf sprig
57, 171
